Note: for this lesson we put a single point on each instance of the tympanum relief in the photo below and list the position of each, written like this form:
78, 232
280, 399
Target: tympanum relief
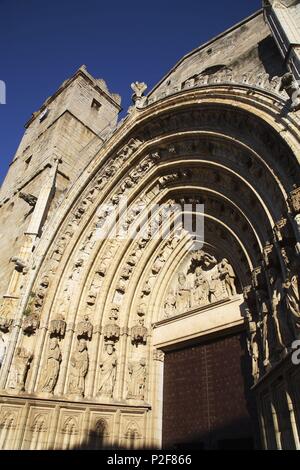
199, 282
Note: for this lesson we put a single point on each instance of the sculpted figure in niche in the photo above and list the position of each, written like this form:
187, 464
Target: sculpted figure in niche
158, 264
227, 273
253, 346
139, 332
291, 287
79, 367
19, 369
279, 317
183, 294
170, 305
108, 371
264, 325
137, 380
201, 288
215, 288
85, 328
52, 366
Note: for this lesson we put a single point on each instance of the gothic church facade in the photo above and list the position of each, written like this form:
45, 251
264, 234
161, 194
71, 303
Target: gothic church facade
121, 328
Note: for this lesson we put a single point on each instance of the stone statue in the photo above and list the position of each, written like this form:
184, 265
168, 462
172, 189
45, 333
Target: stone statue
108, 371
202, 259
138, 89
72, 280
291, 287
183, 294
215, 288
139, 333
79, 367
2, 349
201, 288
170, 305
57, 326
137, 380
253, 346
227, 273
280, 322
112, 329
158, 264
52, 366
85, 328
264, 325
19, 369
291, 86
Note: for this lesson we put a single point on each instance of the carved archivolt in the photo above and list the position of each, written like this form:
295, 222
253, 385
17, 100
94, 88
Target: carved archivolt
87, 332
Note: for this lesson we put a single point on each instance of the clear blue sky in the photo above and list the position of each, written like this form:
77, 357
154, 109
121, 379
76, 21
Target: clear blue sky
43, 42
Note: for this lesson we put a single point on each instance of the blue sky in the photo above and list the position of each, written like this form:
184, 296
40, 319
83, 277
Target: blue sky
44, 42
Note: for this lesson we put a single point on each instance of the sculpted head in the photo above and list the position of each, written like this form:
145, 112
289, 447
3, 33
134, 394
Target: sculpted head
53, 343
81, 345
109, 347
181, 279
198, 271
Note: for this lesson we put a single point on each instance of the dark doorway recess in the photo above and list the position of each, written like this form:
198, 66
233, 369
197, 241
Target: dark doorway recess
207, 399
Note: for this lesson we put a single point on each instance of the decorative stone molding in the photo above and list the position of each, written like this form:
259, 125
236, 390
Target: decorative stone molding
294, 199
5, 324
29, 198
112, 330
85, 329
57, 326
139, 333
30, 324
158, 355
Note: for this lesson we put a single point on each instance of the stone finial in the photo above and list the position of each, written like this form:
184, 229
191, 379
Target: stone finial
138, 97
139, 88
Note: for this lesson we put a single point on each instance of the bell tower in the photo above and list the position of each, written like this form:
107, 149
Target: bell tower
59, 141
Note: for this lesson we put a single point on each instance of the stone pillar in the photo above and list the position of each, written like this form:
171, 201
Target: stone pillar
262, 425
84, 441
116, 438
293, 420
10, 352
53, 430
157, 387
276, 426
22, 426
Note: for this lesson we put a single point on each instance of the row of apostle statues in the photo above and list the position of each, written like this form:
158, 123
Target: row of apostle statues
204, 282
273, 321
78, 368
